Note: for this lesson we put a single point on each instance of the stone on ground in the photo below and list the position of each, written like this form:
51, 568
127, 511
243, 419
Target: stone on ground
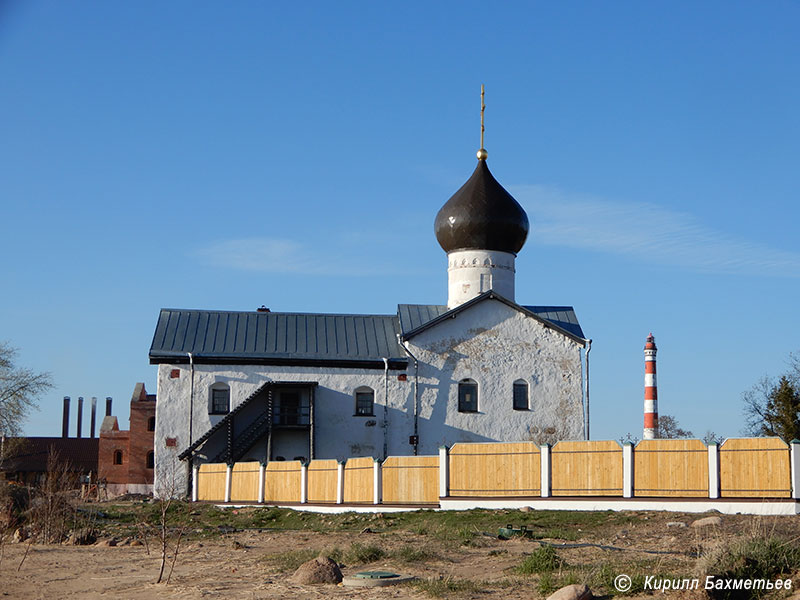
319, 570
576, 591
707, 521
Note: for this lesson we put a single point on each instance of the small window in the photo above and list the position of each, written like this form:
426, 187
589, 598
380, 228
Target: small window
521, 395
365, 402
151, 460
220, 400
117, 457
467, 396
151, 424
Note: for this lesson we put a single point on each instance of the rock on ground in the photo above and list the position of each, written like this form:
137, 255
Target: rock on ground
576, 591
319, 570
707, 521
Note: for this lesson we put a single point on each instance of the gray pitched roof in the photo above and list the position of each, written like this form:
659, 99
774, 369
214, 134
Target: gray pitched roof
276, 338
360, 341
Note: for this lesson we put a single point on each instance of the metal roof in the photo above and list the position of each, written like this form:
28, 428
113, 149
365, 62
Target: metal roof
311, 339
272, 337
562, 316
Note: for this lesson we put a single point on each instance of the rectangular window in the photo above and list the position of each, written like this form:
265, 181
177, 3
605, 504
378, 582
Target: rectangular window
220, 402
467, 397
520, 396
364, 404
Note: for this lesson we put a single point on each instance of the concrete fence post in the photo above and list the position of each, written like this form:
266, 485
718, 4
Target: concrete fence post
304, 483
195, 482
377, 482
544, 450
794, 453
228, 481
713, 470
340, 482
444, 471
627, 470
262, 482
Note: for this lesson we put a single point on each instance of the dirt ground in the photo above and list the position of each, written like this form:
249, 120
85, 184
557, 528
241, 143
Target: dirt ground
237, 565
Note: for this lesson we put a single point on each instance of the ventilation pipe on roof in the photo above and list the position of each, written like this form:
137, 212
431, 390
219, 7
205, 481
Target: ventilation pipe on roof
385, 407
65, 419
416, 394
94, 417
80, 415
586, 394
108, 406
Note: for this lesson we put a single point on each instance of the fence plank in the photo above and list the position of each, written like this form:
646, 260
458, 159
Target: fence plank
504, 469
754, 468
670, 468
211, 482
586, 468
359, 480
411, 480
322, 479
244, 482
282, 482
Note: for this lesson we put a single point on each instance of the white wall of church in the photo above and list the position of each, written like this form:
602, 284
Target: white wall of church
495, 345
489, 342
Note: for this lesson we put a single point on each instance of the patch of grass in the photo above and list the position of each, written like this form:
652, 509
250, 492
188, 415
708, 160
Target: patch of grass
755, 557
446, 587
409, 553
544, 559
361, 554
291, 559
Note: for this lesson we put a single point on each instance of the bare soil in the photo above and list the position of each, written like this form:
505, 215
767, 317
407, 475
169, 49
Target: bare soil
247, 564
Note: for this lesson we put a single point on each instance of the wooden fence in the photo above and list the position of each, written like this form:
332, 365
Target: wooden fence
755, 468
411, 480
495, 469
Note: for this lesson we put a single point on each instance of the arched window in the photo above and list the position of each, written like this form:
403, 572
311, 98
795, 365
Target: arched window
151, 424
467, 396
219, 401
365, 402
117, 457
151, 460
521, 395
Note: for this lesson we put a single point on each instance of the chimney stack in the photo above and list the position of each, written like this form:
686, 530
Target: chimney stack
80, 414
108, 406
65, 419
650, 390
94, 416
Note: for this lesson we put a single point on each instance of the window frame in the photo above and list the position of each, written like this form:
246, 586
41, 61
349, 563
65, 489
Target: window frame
117, 458
215, 389
517, 385
464, 386
360, 410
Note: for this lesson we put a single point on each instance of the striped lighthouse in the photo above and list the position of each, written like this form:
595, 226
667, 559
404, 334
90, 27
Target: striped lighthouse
650, 390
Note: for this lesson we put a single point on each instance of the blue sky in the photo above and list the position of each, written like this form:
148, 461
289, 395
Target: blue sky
228, 155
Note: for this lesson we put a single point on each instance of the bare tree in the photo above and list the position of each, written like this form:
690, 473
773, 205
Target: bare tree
19, 391
669, 429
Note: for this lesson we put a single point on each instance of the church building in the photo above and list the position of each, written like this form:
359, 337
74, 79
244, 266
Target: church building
270, 386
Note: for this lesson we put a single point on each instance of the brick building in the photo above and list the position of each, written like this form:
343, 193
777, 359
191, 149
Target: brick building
125, 457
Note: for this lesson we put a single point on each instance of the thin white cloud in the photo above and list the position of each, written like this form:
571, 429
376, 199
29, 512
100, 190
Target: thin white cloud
647, 232
277, 255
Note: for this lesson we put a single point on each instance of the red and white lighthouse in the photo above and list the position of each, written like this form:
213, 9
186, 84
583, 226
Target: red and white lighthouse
650, 390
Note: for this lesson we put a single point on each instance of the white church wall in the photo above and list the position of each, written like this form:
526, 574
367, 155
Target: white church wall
495, 345
338, 433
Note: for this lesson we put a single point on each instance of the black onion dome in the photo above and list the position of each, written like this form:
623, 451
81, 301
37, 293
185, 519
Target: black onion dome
482, 215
